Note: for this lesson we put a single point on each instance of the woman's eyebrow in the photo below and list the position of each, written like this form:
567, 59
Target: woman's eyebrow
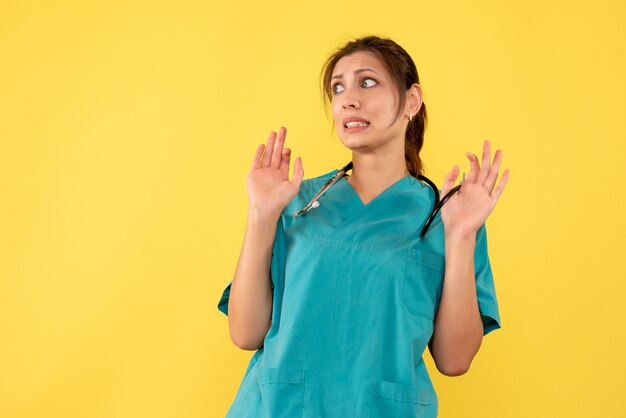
360, 70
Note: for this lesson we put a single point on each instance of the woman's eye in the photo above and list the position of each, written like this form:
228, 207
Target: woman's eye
336, 88
369, 81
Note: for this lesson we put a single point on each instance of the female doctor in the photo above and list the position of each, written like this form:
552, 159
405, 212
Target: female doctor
341, 300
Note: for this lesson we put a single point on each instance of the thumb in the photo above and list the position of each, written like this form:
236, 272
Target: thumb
298, 173
450, 179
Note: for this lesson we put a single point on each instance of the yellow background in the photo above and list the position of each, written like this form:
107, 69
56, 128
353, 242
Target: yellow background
127, 129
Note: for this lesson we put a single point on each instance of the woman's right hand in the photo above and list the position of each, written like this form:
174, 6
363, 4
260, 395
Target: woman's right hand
269, 188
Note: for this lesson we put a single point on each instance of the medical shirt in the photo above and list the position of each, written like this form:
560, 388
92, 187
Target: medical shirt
356, 291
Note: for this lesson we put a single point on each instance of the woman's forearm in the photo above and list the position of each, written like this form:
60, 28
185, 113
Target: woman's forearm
250, 301
458, 329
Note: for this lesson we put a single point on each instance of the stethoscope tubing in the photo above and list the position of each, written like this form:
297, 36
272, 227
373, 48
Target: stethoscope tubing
437, 205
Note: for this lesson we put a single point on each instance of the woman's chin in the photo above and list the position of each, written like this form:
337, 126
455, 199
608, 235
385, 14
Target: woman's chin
352, 144
355, 142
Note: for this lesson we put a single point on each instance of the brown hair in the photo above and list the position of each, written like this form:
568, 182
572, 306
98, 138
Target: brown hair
403, 72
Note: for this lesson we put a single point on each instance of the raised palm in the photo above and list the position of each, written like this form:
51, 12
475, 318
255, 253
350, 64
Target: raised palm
468, 209
269, 188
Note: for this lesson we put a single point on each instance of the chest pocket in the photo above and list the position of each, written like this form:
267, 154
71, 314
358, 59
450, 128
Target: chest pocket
423, 282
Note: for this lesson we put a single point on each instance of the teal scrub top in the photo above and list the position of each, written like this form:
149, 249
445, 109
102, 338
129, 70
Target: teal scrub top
355, 296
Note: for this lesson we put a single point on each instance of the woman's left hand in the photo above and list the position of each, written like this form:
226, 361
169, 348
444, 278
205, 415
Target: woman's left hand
467, 210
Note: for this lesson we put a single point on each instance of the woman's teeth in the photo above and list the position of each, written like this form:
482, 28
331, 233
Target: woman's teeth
354, 124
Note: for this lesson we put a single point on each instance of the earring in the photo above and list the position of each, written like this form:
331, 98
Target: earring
410, 116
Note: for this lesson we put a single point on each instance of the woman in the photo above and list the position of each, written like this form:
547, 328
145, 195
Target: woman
342, 298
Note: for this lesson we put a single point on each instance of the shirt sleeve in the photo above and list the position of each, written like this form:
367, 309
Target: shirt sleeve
274, 271
485, 286
223, 303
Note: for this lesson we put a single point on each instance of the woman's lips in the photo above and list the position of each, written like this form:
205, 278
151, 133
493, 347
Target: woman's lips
352, 124
354, 129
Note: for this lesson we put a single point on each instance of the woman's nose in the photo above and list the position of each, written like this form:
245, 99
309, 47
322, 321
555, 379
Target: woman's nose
350, 99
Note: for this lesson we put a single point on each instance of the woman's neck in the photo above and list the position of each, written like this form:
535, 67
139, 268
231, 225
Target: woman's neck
373, 174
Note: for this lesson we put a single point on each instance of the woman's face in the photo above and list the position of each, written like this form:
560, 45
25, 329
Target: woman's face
364, 102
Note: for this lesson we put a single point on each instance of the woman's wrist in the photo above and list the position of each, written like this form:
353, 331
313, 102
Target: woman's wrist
460, 234
263, 215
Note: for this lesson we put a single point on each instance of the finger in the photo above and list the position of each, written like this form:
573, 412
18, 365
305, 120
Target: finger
450, 179
278, 149
486, 164
474, 168
256, 162
500, 188
284, 162
269, 149
298, 172
493, 173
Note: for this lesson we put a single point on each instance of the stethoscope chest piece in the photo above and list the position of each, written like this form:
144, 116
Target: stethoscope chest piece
314, 202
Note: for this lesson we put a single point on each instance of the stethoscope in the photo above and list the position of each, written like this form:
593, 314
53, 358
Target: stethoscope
314, 203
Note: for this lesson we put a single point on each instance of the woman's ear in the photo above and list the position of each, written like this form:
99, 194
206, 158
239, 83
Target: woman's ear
414, 99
